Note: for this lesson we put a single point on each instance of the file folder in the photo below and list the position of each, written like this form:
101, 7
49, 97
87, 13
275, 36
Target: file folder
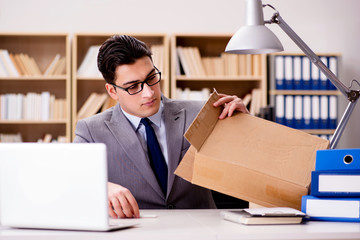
297, 73
315, 112
324, 112
289, 74
338, 159
280, 109
333, 66
306, 73
335, 183
323, 78
315, 77
307, 112
331, 209
279, 73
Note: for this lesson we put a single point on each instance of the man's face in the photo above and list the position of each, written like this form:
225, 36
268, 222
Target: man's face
143, 104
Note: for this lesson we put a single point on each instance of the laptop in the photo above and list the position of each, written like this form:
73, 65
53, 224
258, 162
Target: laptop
54, 186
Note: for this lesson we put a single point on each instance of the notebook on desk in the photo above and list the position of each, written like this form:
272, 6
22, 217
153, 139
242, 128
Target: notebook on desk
54, 186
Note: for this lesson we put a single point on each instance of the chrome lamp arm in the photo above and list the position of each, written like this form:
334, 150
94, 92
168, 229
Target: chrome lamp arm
352, 95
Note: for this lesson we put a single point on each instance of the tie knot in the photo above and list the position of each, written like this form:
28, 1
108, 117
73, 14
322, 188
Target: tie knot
146, 122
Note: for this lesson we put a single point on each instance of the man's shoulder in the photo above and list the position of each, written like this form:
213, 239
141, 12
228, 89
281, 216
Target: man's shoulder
186, 104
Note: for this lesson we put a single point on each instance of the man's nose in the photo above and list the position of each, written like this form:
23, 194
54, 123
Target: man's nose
147, 91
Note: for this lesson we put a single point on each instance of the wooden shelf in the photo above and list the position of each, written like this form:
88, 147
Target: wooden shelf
304, 92
213, 46
42, 47
297, 66
52, 121
219, 78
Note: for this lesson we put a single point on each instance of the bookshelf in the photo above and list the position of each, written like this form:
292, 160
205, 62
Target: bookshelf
41, 77
303, 97
227, 73
86, 77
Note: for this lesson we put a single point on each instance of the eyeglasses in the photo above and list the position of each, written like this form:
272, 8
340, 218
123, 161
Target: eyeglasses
138, 87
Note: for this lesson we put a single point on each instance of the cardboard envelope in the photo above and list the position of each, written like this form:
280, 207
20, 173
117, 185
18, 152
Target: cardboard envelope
249, 158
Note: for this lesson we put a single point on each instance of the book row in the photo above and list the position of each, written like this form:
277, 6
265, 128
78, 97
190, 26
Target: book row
299, 73
197, 95
96, 102
16, 137
335, 186
191, 64
20, 64
88, 67
307, 112
32, 106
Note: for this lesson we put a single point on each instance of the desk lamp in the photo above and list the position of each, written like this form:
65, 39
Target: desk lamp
255, 38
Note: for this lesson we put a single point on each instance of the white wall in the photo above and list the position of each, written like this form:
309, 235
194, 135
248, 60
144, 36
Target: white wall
325, 25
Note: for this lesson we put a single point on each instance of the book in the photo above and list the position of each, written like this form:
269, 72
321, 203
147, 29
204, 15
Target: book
9, 65
88, 67
335, 183
254, 216
51, 65
108, 104
184, 62
92, 105
337, 159
331, 209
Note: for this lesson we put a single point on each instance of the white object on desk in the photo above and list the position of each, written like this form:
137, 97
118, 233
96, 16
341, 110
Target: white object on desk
54, 186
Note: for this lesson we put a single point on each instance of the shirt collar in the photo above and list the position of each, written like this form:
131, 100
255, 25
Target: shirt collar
135, 121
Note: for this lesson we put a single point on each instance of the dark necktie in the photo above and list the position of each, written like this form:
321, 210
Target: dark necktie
157, 160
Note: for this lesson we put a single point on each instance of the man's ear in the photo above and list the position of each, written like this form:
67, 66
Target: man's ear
111, 91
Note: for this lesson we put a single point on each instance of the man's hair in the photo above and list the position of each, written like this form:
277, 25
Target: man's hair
118, 50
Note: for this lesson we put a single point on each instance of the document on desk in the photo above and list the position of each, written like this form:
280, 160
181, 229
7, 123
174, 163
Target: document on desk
254, 216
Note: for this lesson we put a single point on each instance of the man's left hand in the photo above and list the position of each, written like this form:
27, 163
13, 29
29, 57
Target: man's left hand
231, 104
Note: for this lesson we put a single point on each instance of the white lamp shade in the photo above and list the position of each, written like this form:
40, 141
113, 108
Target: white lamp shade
254, 39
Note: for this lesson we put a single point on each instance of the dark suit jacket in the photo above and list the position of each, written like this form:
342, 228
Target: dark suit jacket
128, 164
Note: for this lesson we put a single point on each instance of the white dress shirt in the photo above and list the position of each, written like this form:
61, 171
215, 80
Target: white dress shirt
158, 125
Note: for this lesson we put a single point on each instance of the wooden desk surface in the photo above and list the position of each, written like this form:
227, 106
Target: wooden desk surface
195, 224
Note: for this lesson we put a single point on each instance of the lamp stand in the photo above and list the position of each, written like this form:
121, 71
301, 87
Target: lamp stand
352, 95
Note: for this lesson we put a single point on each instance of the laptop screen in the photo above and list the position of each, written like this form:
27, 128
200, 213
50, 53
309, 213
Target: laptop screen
58, 186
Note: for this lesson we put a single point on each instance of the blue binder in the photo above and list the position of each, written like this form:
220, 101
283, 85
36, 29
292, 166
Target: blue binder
337, 183
315, 112
315, 77
306, 73
297, 73
289, 73
337, 159
279, 73
333, 66
331, 209
323, 79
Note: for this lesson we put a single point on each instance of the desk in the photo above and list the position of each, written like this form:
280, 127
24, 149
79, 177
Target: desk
198, 225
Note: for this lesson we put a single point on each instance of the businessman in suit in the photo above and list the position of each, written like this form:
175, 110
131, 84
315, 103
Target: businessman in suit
133, 81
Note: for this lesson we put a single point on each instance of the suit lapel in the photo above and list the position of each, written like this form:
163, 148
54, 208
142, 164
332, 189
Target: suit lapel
175, 124
123, 132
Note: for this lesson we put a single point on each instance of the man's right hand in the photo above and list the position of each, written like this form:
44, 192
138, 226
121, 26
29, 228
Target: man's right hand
122, 203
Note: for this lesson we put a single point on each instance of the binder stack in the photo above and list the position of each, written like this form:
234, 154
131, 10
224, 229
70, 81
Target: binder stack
335, 187
304, 97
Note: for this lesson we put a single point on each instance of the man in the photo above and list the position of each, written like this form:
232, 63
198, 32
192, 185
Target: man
133, 81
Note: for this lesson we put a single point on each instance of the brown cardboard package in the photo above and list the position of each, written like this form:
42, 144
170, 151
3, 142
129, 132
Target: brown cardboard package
249, 158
